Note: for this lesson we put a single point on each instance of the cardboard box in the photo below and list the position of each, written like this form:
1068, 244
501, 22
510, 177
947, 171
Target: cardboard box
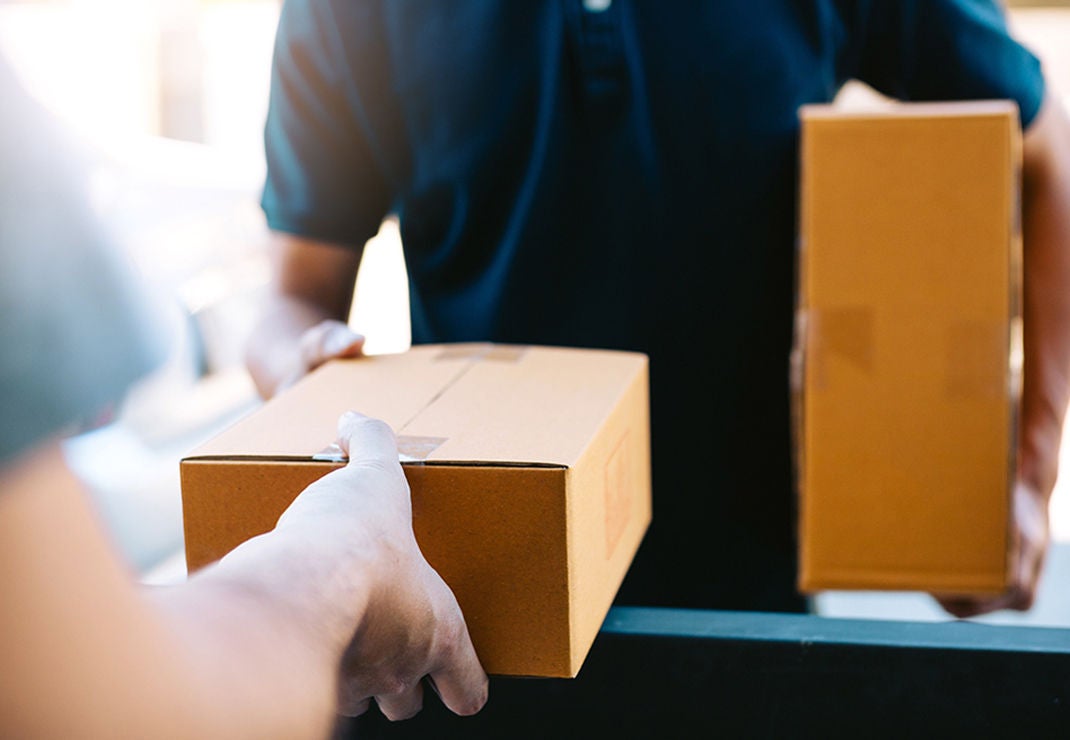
908, 346
530, 477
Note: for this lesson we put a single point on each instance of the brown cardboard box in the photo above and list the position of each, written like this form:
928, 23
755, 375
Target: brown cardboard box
530, 477
908, 351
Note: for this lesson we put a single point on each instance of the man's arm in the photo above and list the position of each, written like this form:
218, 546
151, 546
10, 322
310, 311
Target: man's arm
303, 323
1046, 222
332, 608
1046, 390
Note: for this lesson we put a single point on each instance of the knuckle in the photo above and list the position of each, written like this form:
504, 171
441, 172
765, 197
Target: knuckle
355, 708
395, 714
400, 713
474, 702
352, 700
400, 697
454, 633
395, 685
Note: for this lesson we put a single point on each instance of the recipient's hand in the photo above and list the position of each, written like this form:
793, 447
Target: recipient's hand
1029, 541
327, 340
407, 624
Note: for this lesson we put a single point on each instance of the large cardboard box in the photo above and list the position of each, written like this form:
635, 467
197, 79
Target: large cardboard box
530, 477
908, 353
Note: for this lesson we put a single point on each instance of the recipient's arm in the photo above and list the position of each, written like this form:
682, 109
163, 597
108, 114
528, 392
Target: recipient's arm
1046, 216
333, 607
1046, 224
303, 322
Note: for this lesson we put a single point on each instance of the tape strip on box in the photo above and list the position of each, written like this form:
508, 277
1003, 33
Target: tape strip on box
410, 449
483, 351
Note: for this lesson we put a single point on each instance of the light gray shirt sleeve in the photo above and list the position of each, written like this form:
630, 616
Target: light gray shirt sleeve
75, 331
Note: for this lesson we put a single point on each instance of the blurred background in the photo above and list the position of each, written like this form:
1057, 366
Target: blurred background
168, 98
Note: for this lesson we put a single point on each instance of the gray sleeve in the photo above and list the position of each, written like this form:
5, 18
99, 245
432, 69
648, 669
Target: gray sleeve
74, 330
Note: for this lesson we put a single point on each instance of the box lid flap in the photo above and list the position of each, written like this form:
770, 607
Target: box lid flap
478, 403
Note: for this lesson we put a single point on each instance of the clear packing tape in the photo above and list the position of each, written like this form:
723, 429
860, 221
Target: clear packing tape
410, 450
982, 359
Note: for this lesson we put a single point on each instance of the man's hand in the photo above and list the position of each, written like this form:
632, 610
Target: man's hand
405, 623
1046, 389
1029, 545
327, 340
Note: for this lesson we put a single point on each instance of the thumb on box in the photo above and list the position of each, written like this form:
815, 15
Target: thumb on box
366, 440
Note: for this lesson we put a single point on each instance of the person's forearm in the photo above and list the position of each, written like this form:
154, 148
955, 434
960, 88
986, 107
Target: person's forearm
244, 669
1046, 388
90, 654
1046, 224
312, 283
259, 613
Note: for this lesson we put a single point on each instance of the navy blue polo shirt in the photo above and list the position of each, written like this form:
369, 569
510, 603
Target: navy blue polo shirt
621, 179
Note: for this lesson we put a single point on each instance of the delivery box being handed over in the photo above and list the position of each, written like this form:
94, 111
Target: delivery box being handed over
908, 353
530, 477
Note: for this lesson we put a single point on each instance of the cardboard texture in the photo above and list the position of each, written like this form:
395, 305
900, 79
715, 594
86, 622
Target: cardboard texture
530, 477
908, 346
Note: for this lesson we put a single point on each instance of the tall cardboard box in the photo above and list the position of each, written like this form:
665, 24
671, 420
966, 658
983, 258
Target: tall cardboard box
908, 346
530, 477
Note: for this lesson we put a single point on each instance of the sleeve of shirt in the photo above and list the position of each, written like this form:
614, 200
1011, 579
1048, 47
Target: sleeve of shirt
327, 176
946, 50
75, 327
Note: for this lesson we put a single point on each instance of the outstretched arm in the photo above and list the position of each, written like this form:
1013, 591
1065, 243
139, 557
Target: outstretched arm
332, 608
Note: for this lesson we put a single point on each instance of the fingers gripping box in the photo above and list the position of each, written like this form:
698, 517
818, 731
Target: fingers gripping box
529, 469
908, 346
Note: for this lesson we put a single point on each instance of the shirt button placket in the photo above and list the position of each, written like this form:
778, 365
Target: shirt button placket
601, 50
